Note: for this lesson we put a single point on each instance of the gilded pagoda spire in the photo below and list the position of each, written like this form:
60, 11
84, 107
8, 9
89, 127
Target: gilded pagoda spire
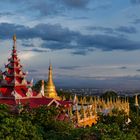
77, 115
50, 88
82, 111
50, 75
137, 104
91, 100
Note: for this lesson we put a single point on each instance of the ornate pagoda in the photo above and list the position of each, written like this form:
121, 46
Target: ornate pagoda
16, 90
14, 83
50, 87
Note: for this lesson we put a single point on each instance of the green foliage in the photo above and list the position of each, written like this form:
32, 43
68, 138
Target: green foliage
64, 93
37, 85
13, 127
112, 132
16, 128
1, 75
114, 127
41, 124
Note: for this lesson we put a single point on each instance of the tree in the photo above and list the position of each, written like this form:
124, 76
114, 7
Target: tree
109, 94
37, 85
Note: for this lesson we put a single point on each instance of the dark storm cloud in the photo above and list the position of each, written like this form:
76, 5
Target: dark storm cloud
135, 1
54, 33
53, 8
38, 50
123, 67
50, 7
76, 3
123, 29
100, 28
47, 7
7, 30
5, 14
118, 83
36, 7
43, 8
56, 37
27, 44
126, 29
107, 42
80, 52
69, 67
138, 70
136, 21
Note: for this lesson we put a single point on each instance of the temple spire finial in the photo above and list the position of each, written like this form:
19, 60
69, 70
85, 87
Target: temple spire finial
50, 64
136, 100
14, 40
42, 87
50, 79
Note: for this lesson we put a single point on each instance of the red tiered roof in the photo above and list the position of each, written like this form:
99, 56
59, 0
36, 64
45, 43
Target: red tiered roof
6, 92
14, 77
9, 102
34, 102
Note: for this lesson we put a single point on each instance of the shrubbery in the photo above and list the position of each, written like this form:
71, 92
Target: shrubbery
40, 124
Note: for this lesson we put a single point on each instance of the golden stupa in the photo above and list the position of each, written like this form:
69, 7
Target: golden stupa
50, 87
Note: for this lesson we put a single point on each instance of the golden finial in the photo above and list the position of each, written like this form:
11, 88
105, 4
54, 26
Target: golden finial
14, 38
64, 98
70, 112
77, 115
136, 100
70, 98
14, 41
91, 100
93, 109
82, 111
84, 100
50, 66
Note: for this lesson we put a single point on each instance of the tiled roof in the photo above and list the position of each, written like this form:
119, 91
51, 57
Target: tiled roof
34, 102
11, 102
6, 92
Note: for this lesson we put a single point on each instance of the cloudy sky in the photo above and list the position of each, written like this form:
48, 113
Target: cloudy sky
91, 43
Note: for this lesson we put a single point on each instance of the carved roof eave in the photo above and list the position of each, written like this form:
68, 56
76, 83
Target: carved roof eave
14, 75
